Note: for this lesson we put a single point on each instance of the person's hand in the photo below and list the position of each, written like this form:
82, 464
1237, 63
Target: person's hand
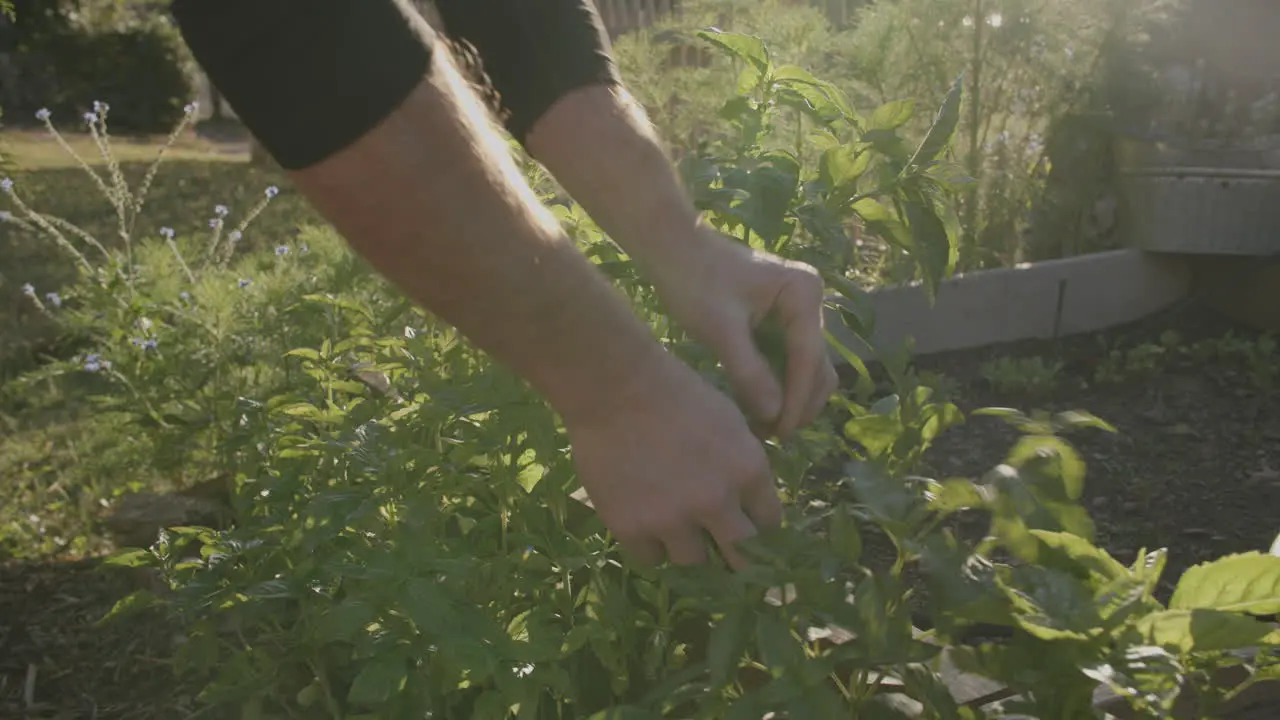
668, 458
722, 293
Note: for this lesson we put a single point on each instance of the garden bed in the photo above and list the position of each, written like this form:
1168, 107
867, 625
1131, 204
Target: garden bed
1195, 463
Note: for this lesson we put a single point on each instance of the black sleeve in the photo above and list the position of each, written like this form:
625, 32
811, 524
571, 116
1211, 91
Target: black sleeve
533, 51
307, 77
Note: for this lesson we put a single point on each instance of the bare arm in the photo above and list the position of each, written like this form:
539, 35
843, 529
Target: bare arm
433, 199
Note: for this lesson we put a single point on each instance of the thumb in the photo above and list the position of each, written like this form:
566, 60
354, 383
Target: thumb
754, 382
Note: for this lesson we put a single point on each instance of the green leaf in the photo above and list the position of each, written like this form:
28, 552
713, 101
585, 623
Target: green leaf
883, 222
778, 649
728, 644
1077, 556
1149, 676
875, 433
1051, 605
341, 622
129, 604
821, 99
892, 115
931, 245
131, 558
748, 48
1202, 630
943, 128
304, 353
844, 535
1244, 583
842, 165
380, 679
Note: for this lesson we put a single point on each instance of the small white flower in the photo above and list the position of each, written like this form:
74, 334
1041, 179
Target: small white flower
167, 233
6, 185
94, 363
90, 118
304, 248
54, 299
100, 108
191, 108
220, 210
235, 236
215, 223
43, 114
185, 296
282, 250
244, 283
272, 191
144, 323
5, 216
28, 289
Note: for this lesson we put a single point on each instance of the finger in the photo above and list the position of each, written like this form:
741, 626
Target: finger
806, 355
753, 380
827, 387
642, 550
730, 528
685, 545
761, 502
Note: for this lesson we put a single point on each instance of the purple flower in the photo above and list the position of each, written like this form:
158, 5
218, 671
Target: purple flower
282, 250
43, 114
272, 192
28, 289
93, 363
6, 185
235, 236
167, 233
54, 299
215, 222
185, 296
145, 343
220, 210
244, 283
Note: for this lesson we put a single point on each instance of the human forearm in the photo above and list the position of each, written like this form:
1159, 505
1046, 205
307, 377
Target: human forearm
433, 200
599, 145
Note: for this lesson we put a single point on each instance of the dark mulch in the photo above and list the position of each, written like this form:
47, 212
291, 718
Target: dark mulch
1195, 464
55, 664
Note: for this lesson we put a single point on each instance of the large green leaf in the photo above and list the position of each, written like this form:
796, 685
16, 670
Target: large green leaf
729, 639
1245, 583
380, 679
892, 115
747, 48
1203, 630
943, 128
931, 244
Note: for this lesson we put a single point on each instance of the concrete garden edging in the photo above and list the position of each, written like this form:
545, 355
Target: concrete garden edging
1040, 300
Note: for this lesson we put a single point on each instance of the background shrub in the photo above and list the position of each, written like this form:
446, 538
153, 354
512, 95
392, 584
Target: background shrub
65, 56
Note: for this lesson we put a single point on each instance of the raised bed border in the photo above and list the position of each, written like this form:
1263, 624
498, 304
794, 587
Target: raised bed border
1043, 300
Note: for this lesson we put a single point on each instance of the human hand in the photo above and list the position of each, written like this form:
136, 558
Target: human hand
722, 292
669, 457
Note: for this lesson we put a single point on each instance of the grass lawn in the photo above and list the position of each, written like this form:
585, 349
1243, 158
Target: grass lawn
45, 504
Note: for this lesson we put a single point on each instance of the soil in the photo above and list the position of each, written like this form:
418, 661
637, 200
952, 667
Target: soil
56, 665
1193, 467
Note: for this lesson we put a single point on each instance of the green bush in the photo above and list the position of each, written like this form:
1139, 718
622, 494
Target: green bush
65, 61
408, 541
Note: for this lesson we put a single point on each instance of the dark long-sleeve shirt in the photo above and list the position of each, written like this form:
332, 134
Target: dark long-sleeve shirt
309, 77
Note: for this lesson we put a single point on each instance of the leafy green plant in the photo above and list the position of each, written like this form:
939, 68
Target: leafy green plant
409, 538
1032, 376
